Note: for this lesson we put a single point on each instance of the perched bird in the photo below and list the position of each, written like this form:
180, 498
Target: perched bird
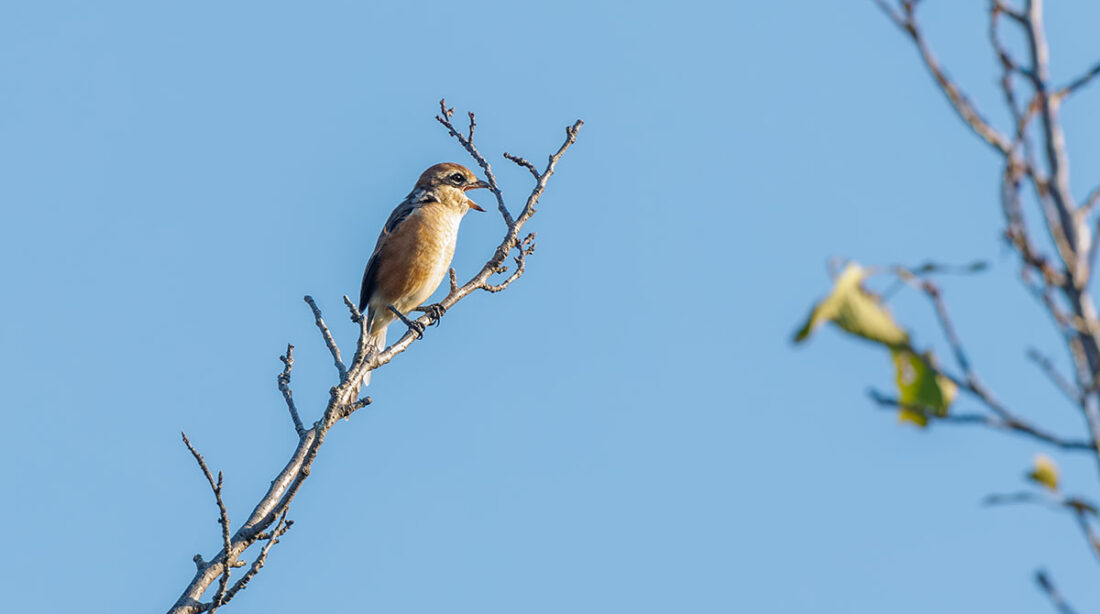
414, 251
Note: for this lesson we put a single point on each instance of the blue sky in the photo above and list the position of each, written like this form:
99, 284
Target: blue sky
625, 429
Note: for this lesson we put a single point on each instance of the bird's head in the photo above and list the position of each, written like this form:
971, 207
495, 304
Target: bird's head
450, 182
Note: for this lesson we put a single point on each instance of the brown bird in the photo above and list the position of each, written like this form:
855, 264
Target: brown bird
414, 251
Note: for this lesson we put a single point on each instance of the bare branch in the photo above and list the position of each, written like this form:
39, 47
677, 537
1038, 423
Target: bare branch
1086, 528
970, 382
933, 293
1047, 366
1065, 232
932, 268
1090, 201
1016, 15
226, 560
1081, 509
1073, 239
1056, 599
525, 248
467, 143
1075, 505
284, 387
544, 177
226, 547
329, 341
906, 20
524, 163
356, 316
1010, 423
1078, 83
281, 527
360, 404
1021, 116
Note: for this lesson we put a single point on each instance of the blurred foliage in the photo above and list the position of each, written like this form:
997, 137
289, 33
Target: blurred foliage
1045, 472
856, 311
923, 391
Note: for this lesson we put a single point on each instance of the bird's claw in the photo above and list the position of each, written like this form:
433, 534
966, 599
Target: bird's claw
435, 311
412, 324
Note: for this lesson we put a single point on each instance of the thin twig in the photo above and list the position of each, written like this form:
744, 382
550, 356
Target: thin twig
1021, 117
329, 341
356, 316
526, 247
933, 293
970, 382
1056, 599
523, 163
1065, 232
1047, 366
281, 527
219, 596
467, 143
1081, 509
284, 387
1082, 213
223, 519
906, 20
1090, 201
360, 404
1010, 423
1078, 83
932, 268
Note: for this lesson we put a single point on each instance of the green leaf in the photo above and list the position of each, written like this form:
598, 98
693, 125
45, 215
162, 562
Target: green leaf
1045, 472
856, 311
922, 392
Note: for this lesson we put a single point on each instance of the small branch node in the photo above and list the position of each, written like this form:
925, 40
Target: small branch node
283, 381
356, 315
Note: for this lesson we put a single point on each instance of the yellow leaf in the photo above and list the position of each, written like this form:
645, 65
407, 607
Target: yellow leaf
922, 392
856, 311
1045, 472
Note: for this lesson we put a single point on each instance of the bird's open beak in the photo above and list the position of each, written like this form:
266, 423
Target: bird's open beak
475, 186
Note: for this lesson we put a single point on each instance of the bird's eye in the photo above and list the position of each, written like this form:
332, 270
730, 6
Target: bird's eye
458, 179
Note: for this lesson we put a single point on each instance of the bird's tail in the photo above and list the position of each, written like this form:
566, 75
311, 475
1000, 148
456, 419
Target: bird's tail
376, 342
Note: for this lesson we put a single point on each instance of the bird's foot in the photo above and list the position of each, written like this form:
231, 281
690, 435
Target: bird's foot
435, 311
412, 324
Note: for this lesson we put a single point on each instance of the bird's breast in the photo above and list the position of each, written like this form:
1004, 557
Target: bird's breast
416, 256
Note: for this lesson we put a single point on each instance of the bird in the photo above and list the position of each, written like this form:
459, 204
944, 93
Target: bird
414, 250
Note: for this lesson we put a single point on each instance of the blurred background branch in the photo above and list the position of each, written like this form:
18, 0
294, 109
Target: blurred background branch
1055, 266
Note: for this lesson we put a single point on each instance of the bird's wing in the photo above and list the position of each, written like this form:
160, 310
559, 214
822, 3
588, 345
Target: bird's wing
412, 202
